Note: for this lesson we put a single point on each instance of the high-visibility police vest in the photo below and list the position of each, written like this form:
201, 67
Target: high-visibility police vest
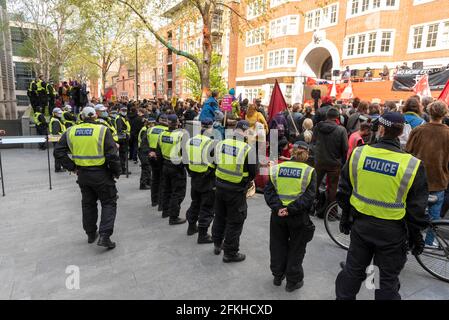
86, 143
230, 155
40, 87
290, 179
153, 135
36, 120
31, 88
51, 90
106, 123
381, 180
139, 138
170, 144
126, 122
67, 123
62, 126
198, 149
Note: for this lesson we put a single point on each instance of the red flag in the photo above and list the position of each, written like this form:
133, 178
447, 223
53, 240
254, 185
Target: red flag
310, 81
444, 96
108, 94
277, 102
422, 87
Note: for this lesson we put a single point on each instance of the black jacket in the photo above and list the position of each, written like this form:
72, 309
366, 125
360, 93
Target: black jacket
136, 123
417, 197
300, 206
320, 114
331, 144
110, 151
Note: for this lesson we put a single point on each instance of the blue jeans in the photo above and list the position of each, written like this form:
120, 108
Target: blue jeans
434, 213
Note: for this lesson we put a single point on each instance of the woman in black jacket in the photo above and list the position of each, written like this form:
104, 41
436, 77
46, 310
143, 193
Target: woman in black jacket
290, 193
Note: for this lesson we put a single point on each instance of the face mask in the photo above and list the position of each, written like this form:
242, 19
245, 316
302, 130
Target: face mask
123, 113
104, 114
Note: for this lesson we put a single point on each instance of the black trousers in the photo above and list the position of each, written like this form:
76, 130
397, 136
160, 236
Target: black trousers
288, 241
58, 164
385, 241
122, 151
230, 214
133, 148
173, 189
201, 208
156, 177
96, 186
145, 174
42, 131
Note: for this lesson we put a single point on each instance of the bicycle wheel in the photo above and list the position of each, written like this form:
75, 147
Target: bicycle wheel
435, 260
332, 224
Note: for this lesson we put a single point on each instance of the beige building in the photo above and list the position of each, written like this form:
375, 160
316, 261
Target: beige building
290, 40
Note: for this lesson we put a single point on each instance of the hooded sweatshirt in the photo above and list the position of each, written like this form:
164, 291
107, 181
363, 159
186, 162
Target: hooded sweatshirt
331, 144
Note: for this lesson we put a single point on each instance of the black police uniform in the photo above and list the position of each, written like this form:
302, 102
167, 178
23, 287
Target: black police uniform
174, 182
385, 240
144, 149
96, 183
231, 210
55, 129
289, 235
42, 129
32, 95
156, 177
123, 141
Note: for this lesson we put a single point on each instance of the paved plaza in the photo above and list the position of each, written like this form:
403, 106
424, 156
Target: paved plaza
41, 234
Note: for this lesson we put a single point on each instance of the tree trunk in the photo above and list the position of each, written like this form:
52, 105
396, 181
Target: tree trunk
207, 57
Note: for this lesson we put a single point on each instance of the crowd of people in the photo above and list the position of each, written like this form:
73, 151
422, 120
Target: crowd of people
319, 147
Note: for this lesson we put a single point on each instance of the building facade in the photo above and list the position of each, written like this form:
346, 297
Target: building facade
8, 105
290, 40
186, 35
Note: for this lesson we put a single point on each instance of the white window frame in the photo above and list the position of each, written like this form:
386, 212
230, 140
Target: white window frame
371, 8
252, 13
250, 63
284, 23
288, 93
252, 34
282, 54
418, 2
252, 93
377, 51
323, 24
277, 3
441, 43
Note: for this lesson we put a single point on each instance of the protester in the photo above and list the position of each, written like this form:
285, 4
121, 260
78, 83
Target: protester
360, 116
359, 137
210, 107
321, 113
253, 116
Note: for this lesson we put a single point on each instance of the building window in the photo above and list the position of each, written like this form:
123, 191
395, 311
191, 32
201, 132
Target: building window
288, 93
253, 64
351, 43
417, 2
429, 37
275, 3
252, 93
186, 31
255, 37
432, 36
321, 18
361, 7
256, 8
372, 43
284, 26
386, 42
281, 58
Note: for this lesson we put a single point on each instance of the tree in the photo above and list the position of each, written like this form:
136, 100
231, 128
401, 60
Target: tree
192, 75
77, 68
52, 32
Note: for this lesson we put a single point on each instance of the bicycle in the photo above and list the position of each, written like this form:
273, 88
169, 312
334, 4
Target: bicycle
434, 259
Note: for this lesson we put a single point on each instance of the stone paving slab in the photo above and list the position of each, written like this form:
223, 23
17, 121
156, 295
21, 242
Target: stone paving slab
41, 234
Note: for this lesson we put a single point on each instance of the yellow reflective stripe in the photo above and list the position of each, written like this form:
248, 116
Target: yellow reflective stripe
355, 162
412, 164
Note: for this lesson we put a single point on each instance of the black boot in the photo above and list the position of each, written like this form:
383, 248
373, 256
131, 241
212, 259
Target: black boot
192, 229
234, 258
277, 281
204, 237
165, 215
92, 236
290, 287
105, 241
144, 187
217, 249
177, 220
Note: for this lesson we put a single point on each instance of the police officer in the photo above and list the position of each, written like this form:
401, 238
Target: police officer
174, 174
56, 128
95, 160
51, 94
123, 131
32, 95
68, 118
41, 90
201, 169
383, 194
143, 151
156, 160
104, 119
290, 193
41, 127
235, 169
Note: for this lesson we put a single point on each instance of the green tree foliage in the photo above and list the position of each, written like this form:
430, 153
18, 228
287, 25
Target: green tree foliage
191, 74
